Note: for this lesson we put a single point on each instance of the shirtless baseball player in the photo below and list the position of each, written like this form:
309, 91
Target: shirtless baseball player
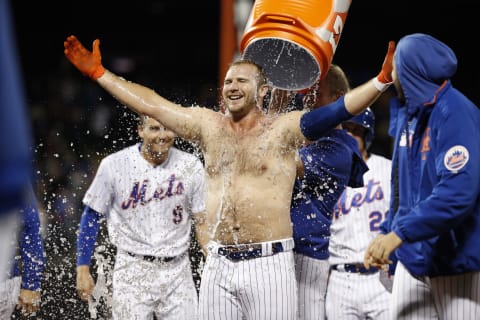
354, 291
148, 193
250, 171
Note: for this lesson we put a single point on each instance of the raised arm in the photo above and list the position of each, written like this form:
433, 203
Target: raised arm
184, 121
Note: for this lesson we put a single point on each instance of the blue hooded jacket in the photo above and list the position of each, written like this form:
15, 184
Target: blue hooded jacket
435, 207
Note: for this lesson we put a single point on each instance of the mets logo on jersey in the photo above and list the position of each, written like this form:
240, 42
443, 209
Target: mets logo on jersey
456, 158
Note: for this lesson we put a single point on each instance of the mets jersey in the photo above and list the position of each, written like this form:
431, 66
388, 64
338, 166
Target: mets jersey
359, 213
148, 207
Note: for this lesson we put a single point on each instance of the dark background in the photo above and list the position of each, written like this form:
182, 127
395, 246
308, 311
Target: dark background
177, 41
174, 44
172, 47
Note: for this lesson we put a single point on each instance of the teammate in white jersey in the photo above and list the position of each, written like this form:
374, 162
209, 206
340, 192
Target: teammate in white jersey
354, 292
148, 193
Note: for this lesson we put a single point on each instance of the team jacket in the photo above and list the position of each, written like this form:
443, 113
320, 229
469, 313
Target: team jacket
330, 164
437, 153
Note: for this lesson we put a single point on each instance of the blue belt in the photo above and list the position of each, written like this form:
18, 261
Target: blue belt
354, 268
248, 251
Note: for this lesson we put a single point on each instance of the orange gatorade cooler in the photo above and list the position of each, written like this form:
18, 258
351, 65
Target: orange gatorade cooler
294, 40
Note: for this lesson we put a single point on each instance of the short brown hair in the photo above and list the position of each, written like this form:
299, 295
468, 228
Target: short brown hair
261, 77
337, 80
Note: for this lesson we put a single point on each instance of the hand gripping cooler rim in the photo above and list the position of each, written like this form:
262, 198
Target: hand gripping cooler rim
317, 44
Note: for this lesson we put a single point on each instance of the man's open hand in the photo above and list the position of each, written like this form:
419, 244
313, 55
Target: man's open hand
89, 63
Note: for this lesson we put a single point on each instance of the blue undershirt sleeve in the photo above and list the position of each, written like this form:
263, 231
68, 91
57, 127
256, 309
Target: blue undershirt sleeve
33, 260
89, 226
316, 123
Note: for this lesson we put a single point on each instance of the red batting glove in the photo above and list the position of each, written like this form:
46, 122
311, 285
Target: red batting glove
89, 63
384, 78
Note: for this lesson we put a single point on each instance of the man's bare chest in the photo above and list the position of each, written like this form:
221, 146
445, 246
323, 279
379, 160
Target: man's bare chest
241, 154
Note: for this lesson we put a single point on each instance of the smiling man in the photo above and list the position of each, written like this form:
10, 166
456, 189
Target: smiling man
149, 193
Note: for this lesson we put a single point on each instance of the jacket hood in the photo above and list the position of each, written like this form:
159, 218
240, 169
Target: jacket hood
423, 63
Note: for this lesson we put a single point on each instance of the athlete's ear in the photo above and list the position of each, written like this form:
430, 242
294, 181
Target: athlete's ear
141, 122
263, 90
140, 130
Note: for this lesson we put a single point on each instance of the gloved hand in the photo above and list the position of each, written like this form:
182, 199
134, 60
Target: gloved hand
89, 63
384, 78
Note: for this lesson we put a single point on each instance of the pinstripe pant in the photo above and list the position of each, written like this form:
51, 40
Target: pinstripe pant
312, 277
9, 292
142, 289
356, 296
445, 297
262, 288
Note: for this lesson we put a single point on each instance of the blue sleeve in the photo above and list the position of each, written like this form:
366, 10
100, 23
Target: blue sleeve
33, 260
15, 135
385, 226
316, 123
87, 235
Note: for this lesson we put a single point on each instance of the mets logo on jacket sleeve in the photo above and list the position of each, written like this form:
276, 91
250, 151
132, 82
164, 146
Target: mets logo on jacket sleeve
456, 158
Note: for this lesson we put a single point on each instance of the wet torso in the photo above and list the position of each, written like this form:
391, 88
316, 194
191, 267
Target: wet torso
250, 176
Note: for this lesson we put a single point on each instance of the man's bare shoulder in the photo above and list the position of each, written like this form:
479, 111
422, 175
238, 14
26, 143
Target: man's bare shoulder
203, 111
287, 120
287, 126
293, 113
207, 118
